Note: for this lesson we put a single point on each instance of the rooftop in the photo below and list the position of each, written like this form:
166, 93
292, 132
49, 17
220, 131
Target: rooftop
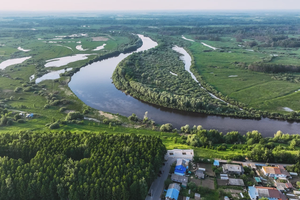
173, 191
199, 173
216, 163
233, 168
182, 162
272, 170
178, 178
237, 182
270, 192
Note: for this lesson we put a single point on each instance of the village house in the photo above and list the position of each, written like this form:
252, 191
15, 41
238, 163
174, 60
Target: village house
284, 186
236, 182
180, 179
173, 191
200, 173
276, 172
181, 166
257, 192
233, 169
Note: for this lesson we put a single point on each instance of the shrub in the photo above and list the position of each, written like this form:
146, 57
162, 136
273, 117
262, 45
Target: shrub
17, 89
17, 116
21, 121
55, 103
9, 122
74, 115
105, 121
133, 117
166, 127
46, 106
62, 109
54, 126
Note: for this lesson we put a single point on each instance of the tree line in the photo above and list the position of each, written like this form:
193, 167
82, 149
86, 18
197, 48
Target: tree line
252, 144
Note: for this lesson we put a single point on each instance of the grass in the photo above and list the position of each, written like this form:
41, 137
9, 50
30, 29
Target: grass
40, 52
257, 90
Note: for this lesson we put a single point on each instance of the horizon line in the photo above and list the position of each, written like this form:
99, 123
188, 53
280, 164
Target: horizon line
157, 10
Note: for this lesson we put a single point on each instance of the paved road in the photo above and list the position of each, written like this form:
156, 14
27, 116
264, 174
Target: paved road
250, 162
158, 185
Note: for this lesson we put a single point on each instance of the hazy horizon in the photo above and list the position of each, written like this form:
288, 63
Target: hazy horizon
150, 5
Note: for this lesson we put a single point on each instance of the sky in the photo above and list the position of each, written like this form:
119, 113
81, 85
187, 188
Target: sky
111, 5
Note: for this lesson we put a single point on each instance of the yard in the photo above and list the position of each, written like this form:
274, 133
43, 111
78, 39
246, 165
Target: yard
208, 182
208, 168
222, 182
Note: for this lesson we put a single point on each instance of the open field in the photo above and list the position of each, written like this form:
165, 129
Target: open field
256, 89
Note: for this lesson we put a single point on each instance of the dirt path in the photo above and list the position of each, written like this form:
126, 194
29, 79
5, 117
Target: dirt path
107, 115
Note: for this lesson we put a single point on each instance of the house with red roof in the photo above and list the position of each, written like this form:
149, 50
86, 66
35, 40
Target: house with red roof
276, 172
257, 192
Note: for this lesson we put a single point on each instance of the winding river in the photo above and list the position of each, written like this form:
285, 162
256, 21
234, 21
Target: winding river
93, 85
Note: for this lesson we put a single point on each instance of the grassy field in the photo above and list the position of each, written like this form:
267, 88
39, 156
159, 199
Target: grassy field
257, 90
41, 50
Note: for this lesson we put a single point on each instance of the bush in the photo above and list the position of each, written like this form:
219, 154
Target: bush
222, 148
54, 126
55, 103
9, 122
17, 116
46, 106
21, 121
166, 127
17, 89
185, 129
62, 109
74, 115
133, 117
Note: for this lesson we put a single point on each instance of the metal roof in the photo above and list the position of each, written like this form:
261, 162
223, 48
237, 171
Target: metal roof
238, 182
178, 178
233, 168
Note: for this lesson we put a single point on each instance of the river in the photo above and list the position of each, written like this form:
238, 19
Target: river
93, 85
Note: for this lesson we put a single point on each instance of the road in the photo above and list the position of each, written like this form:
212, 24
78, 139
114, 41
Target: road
158, 185
250, 162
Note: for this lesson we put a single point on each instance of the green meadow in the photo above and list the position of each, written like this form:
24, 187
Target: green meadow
256, 89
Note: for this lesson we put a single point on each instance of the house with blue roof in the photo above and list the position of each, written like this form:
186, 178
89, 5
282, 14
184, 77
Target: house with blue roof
216, 163
173, 191
181, 166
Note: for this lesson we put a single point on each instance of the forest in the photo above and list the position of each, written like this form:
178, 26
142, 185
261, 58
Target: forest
65, 165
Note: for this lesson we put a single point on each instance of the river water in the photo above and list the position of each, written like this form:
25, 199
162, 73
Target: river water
93, 85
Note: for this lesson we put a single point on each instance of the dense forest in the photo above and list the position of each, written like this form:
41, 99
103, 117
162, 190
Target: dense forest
158, 76
65, 165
